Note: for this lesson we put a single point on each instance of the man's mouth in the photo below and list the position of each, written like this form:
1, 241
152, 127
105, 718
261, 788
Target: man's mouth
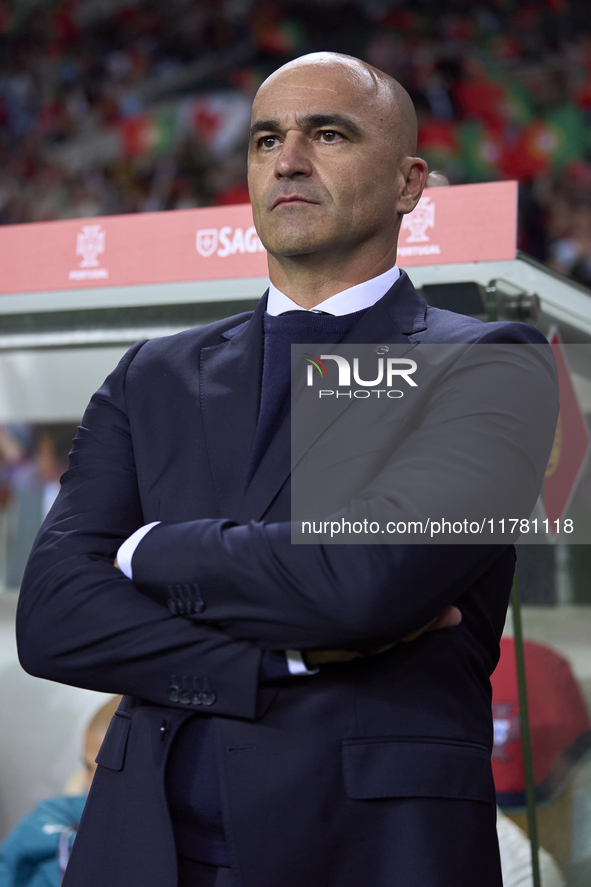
292, 198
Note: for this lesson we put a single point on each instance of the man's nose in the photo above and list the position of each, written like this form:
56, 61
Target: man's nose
293, 157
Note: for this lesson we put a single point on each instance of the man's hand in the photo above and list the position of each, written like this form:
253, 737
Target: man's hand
115, 564
447, 619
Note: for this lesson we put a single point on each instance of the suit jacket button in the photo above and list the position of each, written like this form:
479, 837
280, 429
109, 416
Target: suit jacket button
172, 606
207, 697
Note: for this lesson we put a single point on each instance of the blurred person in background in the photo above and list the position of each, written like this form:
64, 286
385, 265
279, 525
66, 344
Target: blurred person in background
571, 253
560, 738
36, 852
516, 862
33, 484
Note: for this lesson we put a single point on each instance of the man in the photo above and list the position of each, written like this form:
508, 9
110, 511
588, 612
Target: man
373, 770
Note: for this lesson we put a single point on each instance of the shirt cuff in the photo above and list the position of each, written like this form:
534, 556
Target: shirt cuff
127, 550
296, 664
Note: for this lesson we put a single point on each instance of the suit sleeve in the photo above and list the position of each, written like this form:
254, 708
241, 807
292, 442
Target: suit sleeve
81, 622
479, 433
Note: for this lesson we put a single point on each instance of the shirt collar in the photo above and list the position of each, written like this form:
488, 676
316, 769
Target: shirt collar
355, 298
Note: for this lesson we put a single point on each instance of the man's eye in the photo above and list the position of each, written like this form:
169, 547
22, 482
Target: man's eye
268, 141
329, 135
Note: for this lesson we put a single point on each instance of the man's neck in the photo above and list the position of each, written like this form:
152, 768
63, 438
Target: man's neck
347, 301
309, 282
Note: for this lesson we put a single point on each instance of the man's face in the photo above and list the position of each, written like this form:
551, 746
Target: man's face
324, 172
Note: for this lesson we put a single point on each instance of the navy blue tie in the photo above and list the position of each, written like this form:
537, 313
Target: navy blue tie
303, 311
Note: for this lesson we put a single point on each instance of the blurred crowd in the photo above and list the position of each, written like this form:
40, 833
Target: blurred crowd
32, 459
118, 106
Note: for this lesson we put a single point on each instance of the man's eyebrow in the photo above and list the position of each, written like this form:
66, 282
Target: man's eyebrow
263, 126
308, 121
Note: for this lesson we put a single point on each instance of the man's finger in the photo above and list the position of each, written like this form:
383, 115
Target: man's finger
447, 619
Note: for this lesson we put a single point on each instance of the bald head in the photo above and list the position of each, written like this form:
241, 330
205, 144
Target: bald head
388, 96
331, 171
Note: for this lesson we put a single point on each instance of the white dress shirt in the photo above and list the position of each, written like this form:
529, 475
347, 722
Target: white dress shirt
362, 295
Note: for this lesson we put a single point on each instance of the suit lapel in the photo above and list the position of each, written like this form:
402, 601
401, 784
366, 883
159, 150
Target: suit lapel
231, 374
392, 320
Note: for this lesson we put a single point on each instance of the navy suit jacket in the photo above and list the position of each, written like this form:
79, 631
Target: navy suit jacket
373, 772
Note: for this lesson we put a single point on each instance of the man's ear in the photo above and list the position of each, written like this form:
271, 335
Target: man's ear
415, 174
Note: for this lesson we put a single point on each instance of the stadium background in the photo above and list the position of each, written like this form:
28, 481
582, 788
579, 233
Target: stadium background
112, 106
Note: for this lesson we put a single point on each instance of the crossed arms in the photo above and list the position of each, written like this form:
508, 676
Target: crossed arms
81, 622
